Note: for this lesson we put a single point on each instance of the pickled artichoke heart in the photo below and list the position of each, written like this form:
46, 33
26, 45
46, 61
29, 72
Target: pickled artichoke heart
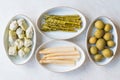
22, 23
29, 32
27, 42
27, 50
12, 50
100, 44
13, 25
68, 23
21, 52
12, 36
21, 36
19, 31
19, 43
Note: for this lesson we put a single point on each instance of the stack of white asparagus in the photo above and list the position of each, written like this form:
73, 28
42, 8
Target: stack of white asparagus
65, 55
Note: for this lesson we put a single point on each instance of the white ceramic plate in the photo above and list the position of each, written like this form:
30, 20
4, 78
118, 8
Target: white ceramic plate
90, 33
60, 68
18, 60
60, 34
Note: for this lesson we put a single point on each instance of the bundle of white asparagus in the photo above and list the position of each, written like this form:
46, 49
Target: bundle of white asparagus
60, 55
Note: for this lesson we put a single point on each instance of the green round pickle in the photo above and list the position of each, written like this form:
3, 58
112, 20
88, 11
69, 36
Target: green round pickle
107, 36
100, 44
98, 57
99, 33
93, 50
110, 43
92, 40
107, 53
108, 27
99, 24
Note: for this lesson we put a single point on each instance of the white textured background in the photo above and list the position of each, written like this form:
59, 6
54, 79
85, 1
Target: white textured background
33, 8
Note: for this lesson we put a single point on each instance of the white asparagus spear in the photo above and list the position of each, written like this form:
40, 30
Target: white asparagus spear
72, 53
65, 62
57, 49
63, 58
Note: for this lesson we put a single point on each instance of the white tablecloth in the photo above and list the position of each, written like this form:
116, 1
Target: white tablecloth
33, 8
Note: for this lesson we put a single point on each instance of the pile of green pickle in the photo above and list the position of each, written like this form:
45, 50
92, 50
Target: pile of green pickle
66, 23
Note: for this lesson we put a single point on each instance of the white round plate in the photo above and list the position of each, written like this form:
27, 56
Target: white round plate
90, 33
60, 68
60, 34
17, 59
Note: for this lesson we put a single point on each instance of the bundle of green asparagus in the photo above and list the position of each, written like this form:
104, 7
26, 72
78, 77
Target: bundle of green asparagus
67, 23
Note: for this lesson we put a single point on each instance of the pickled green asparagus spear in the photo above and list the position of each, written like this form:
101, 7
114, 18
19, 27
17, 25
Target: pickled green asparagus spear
54, 21
67, 23
62, 17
